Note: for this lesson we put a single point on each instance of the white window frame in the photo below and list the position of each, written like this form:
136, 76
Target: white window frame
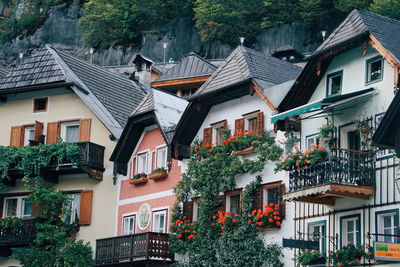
140, 155
345, 231
344, 130
265, 194
161, 163
128, 219
381, 227
330, 77
322, 238
20, 207
368, 71
228, 201
65, 125
28, 129
216, 128
155, 213
247, 119
314, 138
75, 205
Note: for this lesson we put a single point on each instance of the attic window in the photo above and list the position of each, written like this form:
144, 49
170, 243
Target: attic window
334, 83
40, 104
374, 69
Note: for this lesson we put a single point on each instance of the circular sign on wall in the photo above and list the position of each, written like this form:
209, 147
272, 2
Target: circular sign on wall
144, 216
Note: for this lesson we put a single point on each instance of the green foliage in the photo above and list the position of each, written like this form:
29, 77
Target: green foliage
139, 175
222, 239
348, 5
162, 169
31, 159
309, 257
10, 223
56, 242
278, 12
389, 8
350, 254
299, 160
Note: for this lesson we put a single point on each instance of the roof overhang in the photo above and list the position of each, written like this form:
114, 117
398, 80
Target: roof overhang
45, 86
184, 82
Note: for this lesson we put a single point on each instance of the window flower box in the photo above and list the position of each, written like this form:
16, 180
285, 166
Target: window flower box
157, 174
140, 178
259, 228
246, 151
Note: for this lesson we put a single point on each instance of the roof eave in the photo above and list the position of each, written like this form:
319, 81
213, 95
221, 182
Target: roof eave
34, 87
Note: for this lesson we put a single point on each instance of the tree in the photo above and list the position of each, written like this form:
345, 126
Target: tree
280, 12
348, 5
389, 8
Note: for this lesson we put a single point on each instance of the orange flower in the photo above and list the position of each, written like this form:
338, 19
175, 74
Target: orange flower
231, 138
234, 220
226, 142
222, 228
250, 133
180, 236
278, 223
196, 148
246, 131
190, 237
228, 213
236, 215
194, 232
213, 224
249, 222
210, 150
214, 217
321, 148
271, 220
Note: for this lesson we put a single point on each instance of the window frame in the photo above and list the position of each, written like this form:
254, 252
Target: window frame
323, 238
40, 110
368, 63
163, 148
74, 205
20, 207
228, 196
328, 83
216, 127
156, 212
128, 216
63, 129
138, 156
347, 218
247, 118
378, 220
314, 136
27, 128
265, 194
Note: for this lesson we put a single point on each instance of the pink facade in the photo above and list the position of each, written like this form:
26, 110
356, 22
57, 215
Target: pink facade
157, 194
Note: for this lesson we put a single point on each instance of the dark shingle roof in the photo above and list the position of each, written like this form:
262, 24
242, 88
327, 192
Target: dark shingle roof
191, 66
361, 22
3, 72
244, 64
119, 95
39, 68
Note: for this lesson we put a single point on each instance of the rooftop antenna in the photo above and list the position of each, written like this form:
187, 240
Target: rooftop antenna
91, 51
323, 33
241, 40
165, 48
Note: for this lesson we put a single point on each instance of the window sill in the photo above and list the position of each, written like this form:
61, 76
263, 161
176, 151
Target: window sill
374, 81
158, 175
139, 181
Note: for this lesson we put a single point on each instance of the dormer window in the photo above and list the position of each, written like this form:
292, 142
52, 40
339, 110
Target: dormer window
40, 104
374, 69
334, 83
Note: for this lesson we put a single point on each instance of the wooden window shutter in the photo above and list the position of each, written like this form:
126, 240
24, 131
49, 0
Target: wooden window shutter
239, 126
207, 136
36, 209
38, 131
85, 215
84, 130
257, 199
53, 130
17, 136
260, 123
282, 204
222, 202
188, 210
225, 124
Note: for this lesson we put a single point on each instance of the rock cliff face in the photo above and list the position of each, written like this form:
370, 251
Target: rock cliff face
61, 30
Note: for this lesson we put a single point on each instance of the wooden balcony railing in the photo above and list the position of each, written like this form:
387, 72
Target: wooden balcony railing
143, 247
18, 237
92, 155
342, 167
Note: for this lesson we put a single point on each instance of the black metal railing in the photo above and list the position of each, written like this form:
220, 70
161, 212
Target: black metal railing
92, 155
342, 166
130, 248
20, 236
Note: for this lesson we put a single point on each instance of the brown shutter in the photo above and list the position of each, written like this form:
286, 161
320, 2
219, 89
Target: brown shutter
84, 130
222, 202
188, 210
207, 136
38, 131
36, 209
260, 123
17, 136
257, 199
282, 203
53, 130
85, 215
225, 124
239, 126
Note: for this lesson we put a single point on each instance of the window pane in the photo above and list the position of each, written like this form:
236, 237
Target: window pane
27, 207
350, 238
387, 221
336, 84
273, 195
11, 207
72, 133
252, 124
142, 164
72, 208
161, 158
161, 227
350, 226
235, 204
375, 70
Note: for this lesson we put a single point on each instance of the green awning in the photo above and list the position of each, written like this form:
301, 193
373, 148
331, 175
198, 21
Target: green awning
297, 111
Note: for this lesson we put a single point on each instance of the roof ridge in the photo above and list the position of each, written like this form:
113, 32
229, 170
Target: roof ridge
377, 15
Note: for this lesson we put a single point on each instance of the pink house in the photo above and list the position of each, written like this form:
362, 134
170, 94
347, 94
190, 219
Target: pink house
143, 156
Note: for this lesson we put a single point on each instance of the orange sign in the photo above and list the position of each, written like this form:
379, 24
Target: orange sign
387, 251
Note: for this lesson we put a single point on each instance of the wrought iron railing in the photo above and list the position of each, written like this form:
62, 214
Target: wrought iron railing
342, 166
131, 248
23, 235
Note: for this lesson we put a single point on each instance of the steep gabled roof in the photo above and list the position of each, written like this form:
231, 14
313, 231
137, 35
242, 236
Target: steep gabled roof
111, 97
190, 67
3, 72
244, 64
359, 23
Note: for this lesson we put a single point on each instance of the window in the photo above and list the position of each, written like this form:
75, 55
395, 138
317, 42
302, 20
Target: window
142, 163
195, 209
252, 124
219, 134
71, 209
233, 203
40, 104
129, 225
162, 158
374, 70
20, 207
271, 195
317, 232
386, 225
334, 83
29, 134
312, 140
159, 221
349, 137
70, 131
350, 232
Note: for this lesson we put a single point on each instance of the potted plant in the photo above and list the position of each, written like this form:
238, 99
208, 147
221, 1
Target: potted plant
298, 160
139, 178
310, 257
269, 219
347, 255
326, 133
158, 173
11, 223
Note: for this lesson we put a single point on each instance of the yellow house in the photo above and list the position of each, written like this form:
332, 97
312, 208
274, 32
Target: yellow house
53, 94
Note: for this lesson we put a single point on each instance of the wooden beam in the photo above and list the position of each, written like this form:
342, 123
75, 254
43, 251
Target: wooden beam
263, 97
175, 82
312, 199
346, 194
396, 76
387, 55
357, 190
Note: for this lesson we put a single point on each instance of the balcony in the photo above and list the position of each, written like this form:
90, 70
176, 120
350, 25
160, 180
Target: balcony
345, 174
131, 250
17, 238
91, 163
